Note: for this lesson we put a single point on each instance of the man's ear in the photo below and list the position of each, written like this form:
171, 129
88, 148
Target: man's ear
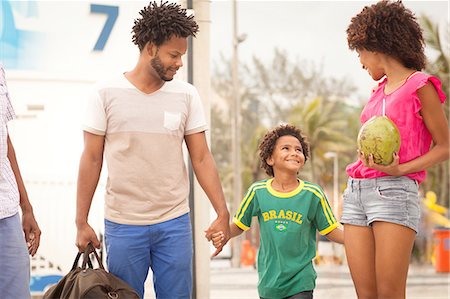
151, 49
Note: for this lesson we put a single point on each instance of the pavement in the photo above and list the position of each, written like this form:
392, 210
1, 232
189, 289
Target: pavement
333, 282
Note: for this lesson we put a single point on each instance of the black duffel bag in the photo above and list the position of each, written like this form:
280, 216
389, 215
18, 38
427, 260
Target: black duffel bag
85, 282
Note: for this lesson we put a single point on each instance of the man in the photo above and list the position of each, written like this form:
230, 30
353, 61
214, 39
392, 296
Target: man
14, 237
139, 121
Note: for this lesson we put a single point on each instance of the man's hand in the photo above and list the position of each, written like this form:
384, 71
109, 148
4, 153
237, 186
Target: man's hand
31, 231
391, 169
86, 235
219, 225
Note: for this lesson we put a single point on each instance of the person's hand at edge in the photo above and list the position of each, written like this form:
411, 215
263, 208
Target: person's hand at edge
32, 231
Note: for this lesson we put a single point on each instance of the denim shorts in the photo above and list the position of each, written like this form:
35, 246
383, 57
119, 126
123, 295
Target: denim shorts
387, 199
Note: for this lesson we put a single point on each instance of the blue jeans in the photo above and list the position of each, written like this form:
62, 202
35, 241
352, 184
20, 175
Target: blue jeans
14, 260
164, 247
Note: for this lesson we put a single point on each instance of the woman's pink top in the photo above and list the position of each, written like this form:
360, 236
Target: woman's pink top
403, 108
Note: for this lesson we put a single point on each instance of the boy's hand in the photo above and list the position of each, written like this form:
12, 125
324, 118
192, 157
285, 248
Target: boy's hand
221, 224
217, 239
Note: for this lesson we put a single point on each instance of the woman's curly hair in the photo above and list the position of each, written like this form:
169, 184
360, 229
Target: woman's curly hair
158, 23
390, 28
267, 145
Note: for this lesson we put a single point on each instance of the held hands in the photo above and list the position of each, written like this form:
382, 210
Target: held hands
391, 169
217, 239
220, 227
31, 231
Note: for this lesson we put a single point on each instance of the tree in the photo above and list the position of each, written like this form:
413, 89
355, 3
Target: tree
282, 90
324, 123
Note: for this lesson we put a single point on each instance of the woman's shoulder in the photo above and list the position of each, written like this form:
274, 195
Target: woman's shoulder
420, 79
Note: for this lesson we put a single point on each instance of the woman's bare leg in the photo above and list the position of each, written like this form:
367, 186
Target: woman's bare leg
360, 251
393, 246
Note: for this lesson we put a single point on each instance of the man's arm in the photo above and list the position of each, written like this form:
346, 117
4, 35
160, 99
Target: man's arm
29, 224
206, 173
88, 175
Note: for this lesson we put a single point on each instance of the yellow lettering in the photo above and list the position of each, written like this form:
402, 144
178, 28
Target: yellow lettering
273, 214
294, 216
289, 215
299, 219
281, 214
265, 216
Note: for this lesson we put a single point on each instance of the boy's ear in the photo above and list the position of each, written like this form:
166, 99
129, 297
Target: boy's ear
269, 161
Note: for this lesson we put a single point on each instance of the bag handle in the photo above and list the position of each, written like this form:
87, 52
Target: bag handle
77, 259
87, 260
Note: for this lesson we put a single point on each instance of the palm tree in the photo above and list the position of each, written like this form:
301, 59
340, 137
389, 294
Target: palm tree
324, 124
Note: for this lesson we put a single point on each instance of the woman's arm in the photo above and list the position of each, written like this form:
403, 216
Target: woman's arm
436, 122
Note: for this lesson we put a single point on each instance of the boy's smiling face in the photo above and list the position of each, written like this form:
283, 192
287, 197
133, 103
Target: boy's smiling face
287, 155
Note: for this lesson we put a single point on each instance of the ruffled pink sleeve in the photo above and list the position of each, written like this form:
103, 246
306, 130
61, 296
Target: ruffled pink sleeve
422, 80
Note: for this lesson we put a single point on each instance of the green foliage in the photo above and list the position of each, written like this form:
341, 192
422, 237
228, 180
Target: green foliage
277, 91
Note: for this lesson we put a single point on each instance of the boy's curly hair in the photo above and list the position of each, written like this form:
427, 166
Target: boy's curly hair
158, 23
390, 28
267, 145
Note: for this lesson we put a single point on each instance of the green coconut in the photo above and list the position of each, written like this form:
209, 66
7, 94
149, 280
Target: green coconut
380, 137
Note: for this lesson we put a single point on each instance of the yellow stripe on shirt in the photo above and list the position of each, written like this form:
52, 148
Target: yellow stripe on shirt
327, 212
325, 203
248, 198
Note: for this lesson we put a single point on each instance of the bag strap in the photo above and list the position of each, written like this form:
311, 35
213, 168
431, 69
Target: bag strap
87, 260
77, 259
88, 249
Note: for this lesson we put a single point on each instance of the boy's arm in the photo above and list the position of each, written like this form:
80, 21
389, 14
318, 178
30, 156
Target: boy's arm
336, 235
29, 224
235, 230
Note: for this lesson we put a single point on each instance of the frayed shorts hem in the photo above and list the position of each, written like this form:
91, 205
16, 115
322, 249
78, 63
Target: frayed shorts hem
363, 223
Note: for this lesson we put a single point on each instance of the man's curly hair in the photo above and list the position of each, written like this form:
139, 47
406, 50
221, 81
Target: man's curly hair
390, 28
158, 23
267, 145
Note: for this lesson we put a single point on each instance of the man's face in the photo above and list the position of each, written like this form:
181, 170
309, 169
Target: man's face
167, 58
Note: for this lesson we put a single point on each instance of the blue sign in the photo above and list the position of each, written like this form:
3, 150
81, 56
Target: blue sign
18, 48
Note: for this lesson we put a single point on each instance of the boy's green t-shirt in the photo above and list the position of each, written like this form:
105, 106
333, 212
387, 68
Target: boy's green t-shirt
288, 224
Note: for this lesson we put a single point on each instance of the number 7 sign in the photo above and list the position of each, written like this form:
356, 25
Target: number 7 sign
112, 12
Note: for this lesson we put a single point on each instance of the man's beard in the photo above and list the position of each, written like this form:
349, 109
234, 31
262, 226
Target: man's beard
157, 65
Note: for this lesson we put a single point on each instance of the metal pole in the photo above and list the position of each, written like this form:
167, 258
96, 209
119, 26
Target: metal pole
236, 140
190, 79
335, 185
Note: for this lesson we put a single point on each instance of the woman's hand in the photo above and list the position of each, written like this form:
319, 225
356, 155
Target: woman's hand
391, 169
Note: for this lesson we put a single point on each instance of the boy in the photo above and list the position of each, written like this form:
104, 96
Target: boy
289, 212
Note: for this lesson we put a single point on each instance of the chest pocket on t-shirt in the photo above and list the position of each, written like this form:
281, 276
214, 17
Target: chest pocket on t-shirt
172, 120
